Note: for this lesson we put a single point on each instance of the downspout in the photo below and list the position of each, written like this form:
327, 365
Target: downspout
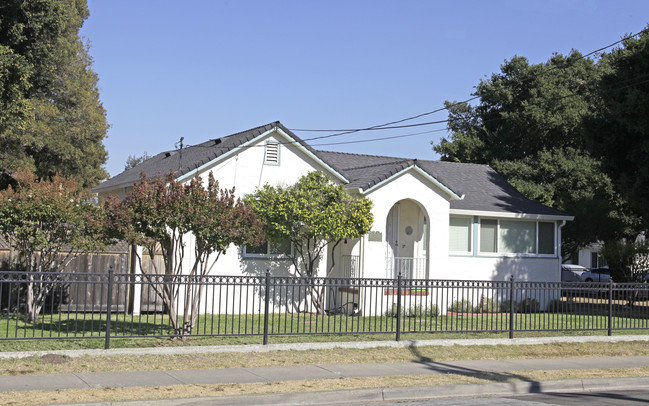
563, 223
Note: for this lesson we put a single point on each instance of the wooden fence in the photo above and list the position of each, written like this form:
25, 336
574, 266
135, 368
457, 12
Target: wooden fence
90, 295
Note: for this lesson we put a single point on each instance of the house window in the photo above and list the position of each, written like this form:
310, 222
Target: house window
593, 260
271, 154
459, 234
546, 238
517, 237
268, 250
488, 235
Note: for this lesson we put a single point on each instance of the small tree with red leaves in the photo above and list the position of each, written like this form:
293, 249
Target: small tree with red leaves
160, 214
48, 222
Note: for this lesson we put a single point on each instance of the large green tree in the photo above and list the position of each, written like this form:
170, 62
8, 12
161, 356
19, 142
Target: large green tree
51, 118
314, 214
528, 125
619, 131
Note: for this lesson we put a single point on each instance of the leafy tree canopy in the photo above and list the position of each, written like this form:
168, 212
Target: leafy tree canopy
619, 131
51, 119
313, 214
132, 161
628, 261
528, 126
48, 222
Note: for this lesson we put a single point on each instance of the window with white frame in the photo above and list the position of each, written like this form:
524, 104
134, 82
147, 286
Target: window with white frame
519, 237
459, 239
268, 250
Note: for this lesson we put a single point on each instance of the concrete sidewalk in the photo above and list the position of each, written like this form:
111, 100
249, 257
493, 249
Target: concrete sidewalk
89, 380
419, 394
336, 371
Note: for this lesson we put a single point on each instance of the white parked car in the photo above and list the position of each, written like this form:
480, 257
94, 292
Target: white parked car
572, 273
596, 275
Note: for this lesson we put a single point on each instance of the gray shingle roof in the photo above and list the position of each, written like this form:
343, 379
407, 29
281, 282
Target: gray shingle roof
482, 187
192, 157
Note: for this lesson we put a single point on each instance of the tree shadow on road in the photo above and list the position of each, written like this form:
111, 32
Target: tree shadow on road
535, 386
446, 368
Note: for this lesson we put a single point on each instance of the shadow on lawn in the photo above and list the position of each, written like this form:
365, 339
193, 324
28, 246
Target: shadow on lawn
80, 327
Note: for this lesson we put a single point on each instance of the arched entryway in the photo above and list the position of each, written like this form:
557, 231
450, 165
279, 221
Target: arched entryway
407, 240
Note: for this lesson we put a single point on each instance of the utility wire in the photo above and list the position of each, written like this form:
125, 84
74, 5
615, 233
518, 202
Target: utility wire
638, 82
385, 125
379, 139
390, 125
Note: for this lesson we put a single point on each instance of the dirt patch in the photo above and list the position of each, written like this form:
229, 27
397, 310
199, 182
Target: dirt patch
55, 359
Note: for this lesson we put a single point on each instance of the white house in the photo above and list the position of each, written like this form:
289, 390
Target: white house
436, 220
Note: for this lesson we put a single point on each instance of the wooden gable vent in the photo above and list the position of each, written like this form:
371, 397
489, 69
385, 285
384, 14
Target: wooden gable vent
272, 153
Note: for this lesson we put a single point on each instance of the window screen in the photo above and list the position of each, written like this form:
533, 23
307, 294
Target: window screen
488, 240
459, 234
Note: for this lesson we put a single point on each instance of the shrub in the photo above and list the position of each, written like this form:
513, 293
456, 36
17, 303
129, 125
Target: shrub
529, 305
558, 306
504, 306
423, 311
487, 305
392, 311
462, 306
416, 310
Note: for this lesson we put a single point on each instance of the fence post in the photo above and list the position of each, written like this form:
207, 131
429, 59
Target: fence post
610, 307
109, 305
511, 307
266, 306
399, 306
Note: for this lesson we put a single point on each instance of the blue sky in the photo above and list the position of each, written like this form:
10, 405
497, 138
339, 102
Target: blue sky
206, 69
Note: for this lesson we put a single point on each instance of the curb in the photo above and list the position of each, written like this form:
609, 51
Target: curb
322, 346
402, 394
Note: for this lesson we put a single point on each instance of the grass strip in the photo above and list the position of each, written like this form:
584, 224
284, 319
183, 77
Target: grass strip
56, 364
196, 391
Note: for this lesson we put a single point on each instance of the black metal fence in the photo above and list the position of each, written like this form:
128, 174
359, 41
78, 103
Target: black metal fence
114, 305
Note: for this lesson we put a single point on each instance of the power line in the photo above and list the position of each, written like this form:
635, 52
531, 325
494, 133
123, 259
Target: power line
390, 125
381, 128
379, 139
386, 125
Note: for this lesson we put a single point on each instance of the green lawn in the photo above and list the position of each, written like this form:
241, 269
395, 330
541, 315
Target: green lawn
302, 327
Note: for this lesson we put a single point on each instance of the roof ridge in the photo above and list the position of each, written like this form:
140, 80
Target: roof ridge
459, 163
406, 159
400, 160
271, 124
367, 155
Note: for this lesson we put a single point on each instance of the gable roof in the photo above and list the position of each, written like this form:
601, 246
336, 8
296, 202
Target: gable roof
473, 188
482, 188
191, 158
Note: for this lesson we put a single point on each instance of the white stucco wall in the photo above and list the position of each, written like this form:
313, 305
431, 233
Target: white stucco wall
246, 171
501, 269
435, 204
